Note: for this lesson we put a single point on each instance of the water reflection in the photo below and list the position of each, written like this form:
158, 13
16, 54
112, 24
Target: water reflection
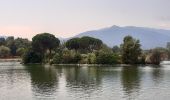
130, 79
93, 83
82, 79
157, 74
44, 79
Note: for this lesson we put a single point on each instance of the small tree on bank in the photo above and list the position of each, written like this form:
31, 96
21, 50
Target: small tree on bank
131, 50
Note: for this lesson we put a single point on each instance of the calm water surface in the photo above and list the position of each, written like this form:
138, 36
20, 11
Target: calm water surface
38, 82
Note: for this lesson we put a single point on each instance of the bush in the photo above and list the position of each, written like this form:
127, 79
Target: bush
91, 58
77, 58
57, 59
4, 51
20, 51
107, 58
154, 57
31, 56
84, 59
70, 56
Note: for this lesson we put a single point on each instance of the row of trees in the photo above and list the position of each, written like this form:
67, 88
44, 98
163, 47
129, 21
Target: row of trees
11, 47
46, 48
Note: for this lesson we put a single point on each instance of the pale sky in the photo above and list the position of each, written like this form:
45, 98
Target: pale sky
65, 18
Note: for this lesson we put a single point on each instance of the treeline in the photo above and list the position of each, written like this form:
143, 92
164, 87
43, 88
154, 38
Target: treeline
46, 48
11, 47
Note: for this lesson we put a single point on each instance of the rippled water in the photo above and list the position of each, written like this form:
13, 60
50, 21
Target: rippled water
38, 82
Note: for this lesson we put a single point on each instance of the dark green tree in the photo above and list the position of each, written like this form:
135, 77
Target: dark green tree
22, 43
31, 56
73, 43
84, 44
10, 42
45, 42
131, 50
90, 43
2, 41
57, 59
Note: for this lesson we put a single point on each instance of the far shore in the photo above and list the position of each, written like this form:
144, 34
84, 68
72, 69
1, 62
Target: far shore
10, 59
82, 65
97, 65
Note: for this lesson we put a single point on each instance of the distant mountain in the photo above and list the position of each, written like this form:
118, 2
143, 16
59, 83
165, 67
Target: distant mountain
149, 37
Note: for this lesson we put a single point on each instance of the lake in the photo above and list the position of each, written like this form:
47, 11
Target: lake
38, 82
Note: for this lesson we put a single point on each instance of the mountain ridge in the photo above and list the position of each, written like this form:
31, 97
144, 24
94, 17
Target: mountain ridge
149, 37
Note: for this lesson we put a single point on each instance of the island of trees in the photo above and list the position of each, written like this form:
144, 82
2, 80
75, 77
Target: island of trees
46, 48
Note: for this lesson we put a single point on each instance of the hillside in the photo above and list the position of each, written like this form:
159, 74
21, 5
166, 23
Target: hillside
149, 37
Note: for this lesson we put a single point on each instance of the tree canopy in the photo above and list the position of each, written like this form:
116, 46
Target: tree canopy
45, 41
73, 43
2, 41
44, 44
84, 43
131, 50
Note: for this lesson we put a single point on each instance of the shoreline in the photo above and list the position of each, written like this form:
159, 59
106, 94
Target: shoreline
81, 65
10, 59
98, 65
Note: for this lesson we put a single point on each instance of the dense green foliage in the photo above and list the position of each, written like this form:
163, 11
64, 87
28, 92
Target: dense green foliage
15, 46
46, 48
73, 43
70, 56
31, 56
44, 42
20, 51
57, 59
4, 51
84, 44
130, 50
106, 58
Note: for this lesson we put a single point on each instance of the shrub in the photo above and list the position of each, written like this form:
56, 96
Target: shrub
70, 56
91, 58
4, 51
57, 59
20, 51
31, 56
107, 58
84, 59
77, 58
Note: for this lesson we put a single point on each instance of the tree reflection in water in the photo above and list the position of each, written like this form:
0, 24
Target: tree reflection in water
43, 78
131, 81
82, 78
157, 74
86, 82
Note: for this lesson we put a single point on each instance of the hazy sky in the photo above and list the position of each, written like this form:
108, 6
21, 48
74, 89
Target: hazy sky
65, 18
